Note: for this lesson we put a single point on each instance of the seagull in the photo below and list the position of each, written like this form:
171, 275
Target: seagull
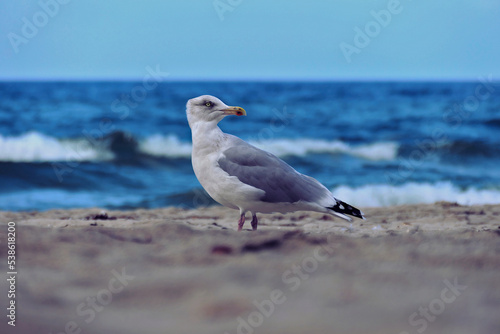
243, 177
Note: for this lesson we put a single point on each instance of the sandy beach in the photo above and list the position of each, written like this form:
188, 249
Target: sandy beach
406, 269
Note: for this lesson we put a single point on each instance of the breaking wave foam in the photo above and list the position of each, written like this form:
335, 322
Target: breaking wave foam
37, 147
380, 195
171, 146
165, 146
301, 147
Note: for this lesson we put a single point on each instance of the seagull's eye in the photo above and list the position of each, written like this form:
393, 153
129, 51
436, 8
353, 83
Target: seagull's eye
209, 104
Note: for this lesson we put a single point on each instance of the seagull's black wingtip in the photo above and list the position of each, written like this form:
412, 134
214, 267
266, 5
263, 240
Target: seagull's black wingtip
344, 208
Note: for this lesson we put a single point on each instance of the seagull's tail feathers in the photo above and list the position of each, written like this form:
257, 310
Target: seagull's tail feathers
340, 215
341, 209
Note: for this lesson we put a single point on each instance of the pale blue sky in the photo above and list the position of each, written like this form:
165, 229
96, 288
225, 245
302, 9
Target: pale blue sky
257, 39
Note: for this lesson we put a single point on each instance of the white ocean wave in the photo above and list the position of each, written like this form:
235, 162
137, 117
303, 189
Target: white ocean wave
36, 147
171, 146
301, 147
381, 195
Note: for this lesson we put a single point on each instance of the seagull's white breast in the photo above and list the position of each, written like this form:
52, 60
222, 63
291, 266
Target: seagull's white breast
208, 147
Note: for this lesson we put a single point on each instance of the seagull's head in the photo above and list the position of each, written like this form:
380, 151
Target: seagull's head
207, 108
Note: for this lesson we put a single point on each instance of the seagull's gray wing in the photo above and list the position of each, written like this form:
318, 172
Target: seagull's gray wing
263, 170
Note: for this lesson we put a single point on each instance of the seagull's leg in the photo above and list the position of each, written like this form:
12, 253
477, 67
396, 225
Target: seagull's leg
241, 221
255, 221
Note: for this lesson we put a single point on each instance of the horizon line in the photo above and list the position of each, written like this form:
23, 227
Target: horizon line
244, 79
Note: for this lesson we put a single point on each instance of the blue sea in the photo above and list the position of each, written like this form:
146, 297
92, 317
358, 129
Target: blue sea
124, 145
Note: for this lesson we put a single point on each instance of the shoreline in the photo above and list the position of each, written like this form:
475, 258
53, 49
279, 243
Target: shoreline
439, 216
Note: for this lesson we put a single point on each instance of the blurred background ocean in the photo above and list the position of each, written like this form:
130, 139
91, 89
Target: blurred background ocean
119, 145
385, 102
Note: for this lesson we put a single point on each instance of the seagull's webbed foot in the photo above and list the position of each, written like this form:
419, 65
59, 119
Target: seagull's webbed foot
255, 221
242, 221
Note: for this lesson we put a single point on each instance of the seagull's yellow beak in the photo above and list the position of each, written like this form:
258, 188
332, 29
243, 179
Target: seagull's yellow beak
238, 111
